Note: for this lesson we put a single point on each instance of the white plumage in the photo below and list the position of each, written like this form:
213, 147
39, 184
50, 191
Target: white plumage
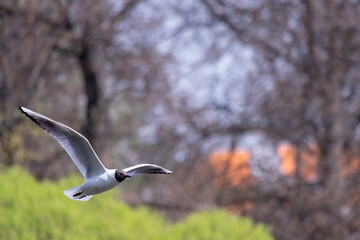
98, 178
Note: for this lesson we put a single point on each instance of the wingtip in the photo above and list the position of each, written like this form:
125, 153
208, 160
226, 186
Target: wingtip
29, 114
168, 172
23, 110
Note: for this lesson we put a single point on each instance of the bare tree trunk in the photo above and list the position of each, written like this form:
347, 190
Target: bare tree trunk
91, 91
95, 110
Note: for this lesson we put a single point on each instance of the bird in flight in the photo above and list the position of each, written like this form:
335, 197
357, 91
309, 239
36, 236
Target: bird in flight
98, 178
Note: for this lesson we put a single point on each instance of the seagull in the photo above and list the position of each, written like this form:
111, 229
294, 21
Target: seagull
98, 178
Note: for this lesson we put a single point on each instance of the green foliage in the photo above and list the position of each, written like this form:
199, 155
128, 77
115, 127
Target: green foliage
218, 225
33, 210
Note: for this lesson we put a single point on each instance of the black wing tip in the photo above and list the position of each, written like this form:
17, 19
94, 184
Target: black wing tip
23, 111
161, 172
21, 108
43, 123
27, 114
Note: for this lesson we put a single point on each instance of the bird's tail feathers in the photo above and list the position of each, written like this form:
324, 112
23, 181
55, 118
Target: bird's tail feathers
77, 193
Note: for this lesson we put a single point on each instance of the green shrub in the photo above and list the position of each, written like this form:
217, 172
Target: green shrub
217, 225
33, 210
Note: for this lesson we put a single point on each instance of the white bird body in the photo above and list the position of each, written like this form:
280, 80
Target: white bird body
95, 185
101, 183
98, 178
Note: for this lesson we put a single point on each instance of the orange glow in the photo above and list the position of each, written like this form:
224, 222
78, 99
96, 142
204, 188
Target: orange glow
309, 159
231, 167
287, 154
350, 165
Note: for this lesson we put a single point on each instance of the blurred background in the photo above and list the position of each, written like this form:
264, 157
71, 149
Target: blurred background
255, 105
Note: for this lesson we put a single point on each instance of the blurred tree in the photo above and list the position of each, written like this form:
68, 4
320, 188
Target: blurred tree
115, 63
95, 67
52, 48
305, 91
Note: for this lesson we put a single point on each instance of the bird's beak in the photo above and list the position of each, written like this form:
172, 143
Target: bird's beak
128, 176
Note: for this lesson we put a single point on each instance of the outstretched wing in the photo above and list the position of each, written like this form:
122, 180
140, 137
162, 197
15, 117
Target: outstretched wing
76, 145
146, 169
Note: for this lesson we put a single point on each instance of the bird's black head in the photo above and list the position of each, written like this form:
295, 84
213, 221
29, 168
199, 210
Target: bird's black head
121, 175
